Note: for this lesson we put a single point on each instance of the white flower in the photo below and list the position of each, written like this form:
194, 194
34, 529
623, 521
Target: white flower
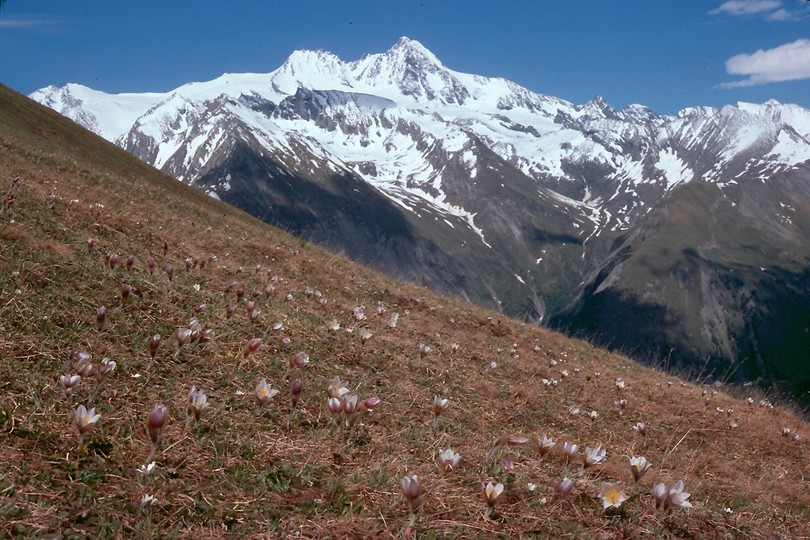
612, 495
492, 492
659, 493
545, 444
638, 466
197, 401
264, 392
439, 405
570, 450
531, 487
147, 469
85, 419
677, 496
196, 287
594, 456
449, 459
147, 501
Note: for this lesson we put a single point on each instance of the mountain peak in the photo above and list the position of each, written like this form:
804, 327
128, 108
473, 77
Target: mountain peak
412, 48
414, 71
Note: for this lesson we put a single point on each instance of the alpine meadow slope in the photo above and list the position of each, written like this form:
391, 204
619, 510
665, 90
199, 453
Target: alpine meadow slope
108, 431
515, 200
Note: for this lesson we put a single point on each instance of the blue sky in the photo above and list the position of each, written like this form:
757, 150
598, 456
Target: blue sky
665, 54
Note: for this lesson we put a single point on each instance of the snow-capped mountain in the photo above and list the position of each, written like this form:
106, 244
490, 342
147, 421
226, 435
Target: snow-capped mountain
473, 185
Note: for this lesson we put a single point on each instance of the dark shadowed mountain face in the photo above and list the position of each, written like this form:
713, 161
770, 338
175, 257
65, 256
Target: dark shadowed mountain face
676, 238
715, 281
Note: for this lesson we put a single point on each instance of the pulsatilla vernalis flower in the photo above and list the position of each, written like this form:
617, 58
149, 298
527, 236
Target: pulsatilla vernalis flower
569, 450
638, 466
392, 322
182, 336
641, 428
449, 459
676, 496
516, 440
365, 335
593, 456
252, 346
154, 344
197, 402
101, 317
545, 444
85, 419
564, 487
335, 407
612, 495
295, 390
412, 489
370, 403
336, 388
106, 367
424, 350
264, 392
83, 365
68, 382
492, 493
659, 493
439, 405
299, 359
155, 423
350, 408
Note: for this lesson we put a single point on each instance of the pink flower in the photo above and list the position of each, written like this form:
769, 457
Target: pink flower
155, 423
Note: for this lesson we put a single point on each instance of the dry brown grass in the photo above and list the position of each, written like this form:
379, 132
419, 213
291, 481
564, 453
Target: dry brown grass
263, 475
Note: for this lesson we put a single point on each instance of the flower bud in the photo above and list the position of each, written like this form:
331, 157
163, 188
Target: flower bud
155, 423
101, 317
154, 343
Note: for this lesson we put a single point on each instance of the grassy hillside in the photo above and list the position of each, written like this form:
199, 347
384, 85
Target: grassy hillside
246, 470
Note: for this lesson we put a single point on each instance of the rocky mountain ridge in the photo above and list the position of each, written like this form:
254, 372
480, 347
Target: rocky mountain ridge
474, 186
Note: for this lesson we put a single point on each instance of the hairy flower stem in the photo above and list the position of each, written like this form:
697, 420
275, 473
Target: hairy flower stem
152, 453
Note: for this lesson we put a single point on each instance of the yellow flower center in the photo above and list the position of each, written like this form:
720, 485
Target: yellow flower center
613, 495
